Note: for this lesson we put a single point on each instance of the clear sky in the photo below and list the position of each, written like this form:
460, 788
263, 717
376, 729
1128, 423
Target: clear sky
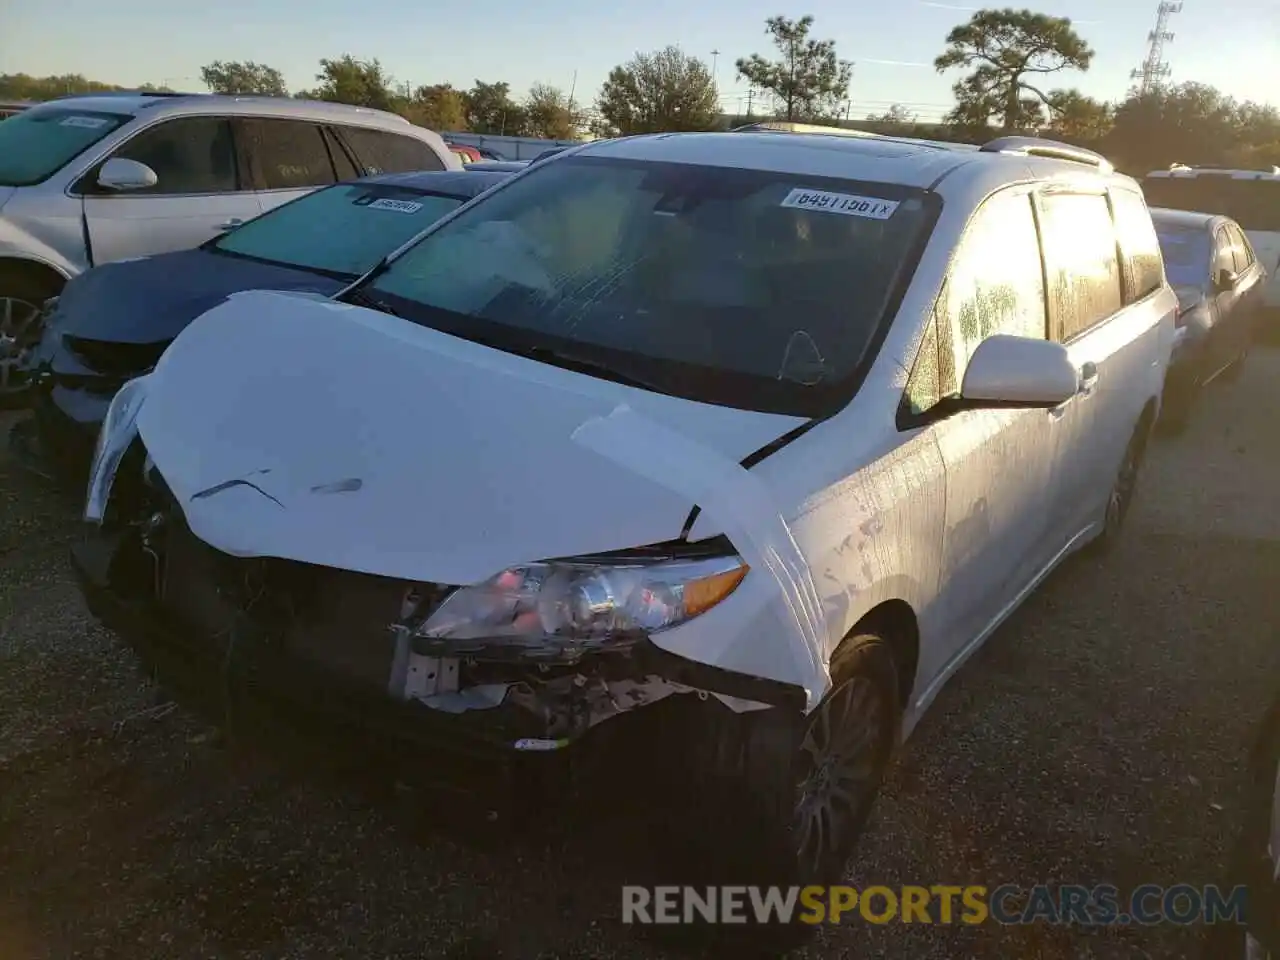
1232, 44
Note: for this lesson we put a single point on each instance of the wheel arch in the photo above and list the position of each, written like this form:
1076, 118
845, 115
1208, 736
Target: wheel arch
896, 622
26, 266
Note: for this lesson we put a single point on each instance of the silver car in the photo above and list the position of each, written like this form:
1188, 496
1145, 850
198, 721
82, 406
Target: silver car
91, 179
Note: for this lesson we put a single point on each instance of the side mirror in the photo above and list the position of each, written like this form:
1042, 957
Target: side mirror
120, 175
1008, 371
1225, 280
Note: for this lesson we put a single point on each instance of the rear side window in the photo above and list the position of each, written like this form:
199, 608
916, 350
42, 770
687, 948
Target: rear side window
288, 154
1243, 248
1223, 255
1143, 266
190, 155
1081, 261
382, 152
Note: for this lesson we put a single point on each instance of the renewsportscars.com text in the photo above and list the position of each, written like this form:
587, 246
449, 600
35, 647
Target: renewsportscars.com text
1009, 904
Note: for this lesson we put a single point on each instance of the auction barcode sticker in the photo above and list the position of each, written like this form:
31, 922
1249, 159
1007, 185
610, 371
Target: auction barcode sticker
848, 204
399, 206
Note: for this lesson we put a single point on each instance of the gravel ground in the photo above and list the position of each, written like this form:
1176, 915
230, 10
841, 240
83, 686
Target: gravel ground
1096, 739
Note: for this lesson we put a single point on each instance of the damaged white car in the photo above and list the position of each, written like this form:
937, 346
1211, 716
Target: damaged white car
776, 427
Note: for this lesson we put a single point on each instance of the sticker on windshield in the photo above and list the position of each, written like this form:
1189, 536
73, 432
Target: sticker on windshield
848, 204
88, 123
399, 206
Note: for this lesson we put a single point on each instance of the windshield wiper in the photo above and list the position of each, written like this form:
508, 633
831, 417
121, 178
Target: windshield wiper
362, 298
579, 364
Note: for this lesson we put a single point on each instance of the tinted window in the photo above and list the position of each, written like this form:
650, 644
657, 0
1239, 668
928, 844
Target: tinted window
1081, 261
1143, 269
1188, 254
996, 283
37, 143
749, 288
1252, 203
383, 152
344, 229
1242, 248
288, 154
189, 155
342, 164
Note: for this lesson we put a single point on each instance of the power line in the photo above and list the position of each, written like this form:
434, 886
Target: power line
1155, 70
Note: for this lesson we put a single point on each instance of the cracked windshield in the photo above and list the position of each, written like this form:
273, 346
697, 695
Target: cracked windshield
771, 482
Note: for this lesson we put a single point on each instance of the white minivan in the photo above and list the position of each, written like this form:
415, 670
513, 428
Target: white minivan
773, 429
86, 180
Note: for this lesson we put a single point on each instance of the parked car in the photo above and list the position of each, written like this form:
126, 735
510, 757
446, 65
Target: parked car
499, 166
90, 179
466, 154
771, 432
1219, 283
112, 323
11, 108
1255, 862
1249, 197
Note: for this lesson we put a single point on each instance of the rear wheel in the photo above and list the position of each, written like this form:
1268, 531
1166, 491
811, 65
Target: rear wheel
1124, 488
22, 296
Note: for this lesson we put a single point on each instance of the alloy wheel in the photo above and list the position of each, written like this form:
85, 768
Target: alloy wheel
842, 755
19, 334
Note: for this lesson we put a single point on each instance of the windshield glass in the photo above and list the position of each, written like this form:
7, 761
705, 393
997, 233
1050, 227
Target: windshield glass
1186, 253
344, 229
37, 143
740, 287
1254, 204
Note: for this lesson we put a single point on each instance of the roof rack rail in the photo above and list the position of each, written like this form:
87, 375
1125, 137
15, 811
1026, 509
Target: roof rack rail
126, 93
1049, 149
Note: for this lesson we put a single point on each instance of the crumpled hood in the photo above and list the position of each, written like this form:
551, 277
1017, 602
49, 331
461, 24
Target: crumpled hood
152, 299
331, 434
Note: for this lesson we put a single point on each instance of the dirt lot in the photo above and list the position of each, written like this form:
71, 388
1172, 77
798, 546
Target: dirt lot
1096, 739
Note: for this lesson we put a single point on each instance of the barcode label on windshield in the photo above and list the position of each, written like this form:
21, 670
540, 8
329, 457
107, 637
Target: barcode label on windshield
89, 123
848, 204
399, 206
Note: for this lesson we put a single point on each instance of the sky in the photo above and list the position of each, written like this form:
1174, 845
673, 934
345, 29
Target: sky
572, 44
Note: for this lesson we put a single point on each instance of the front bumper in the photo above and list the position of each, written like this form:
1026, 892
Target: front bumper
303, 694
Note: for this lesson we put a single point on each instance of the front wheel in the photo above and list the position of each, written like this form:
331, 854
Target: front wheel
22, 297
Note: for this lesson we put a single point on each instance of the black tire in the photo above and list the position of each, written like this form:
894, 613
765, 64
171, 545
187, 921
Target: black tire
23, 292
1122, 491
1177, 406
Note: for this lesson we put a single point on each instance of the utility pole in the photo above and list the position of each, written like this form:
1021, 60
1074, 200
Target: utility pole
715, 58
750, 94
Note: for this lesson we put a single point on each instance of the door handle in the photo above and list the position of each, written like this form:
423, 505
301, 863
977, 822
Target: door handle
230, 224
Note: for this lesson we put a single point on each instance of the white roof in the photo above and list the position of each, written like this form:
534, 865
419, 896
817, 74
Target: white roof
132, 103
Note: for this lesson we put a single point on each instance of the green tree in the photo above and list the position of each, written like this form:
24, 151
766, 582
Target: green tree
1004, 48
243, 76
438, 107
549, 114
490, 109
362, 83
660, 91
1075, 118
809, 82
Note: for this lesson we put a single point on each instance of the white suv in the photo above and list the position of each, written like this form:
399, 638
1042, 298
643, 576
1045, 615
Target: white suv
90, 179
775, 429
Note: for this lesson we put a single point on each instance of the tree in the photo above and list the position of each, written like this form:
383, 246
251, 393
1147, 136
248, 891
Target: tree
439, 107
549, 114
660, 91
1078, 119
362, 83
1004, 47
490, 109
809, 82
236, 76
896, 115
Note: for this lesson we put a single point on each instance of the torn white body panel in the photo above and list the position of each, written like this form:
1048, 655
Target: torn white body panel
334, 435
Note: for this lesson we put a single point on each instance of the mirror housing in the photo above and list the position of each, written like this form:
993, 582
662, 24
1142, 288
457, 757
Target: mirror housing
1007, 371
1225, 280
120, 175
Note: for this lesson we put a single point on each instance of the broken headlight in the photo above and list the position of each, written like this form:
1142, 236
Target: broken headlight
119, 427
585, 600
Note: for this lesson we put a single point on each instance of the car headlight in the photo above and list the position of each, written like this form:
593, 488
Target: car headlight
585, 600
119, 427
